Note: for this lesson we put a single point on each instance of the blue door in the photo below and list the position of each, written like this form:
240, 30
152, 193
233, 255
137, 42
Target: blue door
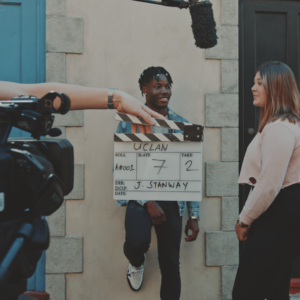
22, 60
22, 46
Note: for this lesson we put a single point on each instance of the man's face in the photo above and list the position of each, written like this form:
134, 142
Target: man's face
158, 93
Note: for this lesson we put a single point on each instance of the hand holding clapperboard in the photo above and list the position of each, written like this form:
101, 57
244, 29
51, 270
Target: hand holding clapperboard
158, 166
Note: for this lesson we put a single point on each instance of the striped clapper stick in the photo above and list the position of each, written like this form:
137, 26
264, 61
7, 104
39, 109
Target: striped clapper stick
158, 122
157, 166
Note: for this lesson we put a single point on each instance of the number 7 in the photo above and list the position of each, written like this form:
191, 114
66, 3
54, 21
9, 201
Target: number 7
160, 167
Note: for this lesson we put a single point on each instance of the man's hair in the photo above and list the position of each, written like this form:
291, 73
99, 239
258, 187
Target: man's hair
282, 95
153, 73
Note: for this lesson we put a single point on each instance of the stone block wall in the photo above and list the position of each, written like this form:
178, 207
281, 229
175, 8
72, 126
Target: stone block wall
65, 254
221, 110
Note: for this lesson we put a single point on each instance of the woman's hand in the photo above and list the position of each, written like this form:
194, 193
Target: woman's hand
192, 225
155, 212
241, 232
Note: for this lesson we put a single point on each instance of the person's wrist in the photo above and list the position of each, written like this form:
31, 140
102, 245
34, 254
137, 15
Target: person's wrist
195, 218
110, 97
149, 203
241, 224
117, 96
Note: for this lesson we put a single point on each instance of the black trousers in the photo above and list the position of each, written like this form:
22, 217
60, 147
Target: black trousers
273, 243
138, 238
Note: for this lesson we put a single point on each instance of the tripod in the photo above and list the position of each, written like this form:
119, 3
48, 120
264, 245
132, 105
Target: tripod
22, 241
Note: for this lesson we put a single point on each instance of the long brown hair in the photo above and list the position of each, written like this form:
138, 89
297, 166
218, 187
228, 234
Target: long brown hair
282, 94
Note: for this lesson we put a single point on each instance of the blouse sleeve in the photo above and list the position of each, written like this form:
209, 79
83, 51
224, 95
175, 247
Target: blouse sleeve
277, 146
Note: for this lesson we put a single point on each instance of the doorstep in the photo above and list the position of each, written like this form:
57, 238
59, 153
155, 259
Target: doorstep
37, 295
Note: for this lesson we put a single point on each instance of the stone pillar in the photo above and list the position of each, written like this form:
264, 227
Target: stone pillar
64, 35
65, 254
221, 110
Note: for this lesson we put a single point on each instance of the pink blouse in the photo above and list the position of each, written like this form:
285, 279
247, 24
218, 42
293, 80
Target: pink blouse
271, 163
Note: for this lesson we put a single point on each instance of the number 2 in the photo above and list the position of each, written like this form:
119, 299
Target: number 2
188, 168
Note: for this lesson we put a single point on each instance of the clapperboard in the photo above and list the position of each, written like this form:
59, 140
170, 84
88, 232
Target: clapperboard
158, 166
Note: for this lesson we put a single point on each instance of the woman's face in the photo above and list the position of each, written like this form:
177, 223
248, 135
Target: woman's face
259, 94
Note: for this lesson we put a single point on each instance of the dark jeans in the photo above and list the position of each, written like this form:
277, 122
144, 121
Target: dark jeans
272, 245
138, 238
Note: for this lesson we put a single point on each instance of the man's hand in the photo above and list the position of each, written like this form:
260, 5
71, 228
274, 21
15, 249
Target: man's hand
241, 232
125, 103
192, 225
155, 212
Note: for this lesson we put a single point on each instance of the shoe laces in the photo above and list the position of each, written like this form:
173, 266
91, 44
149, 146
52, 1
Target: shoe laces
137, 272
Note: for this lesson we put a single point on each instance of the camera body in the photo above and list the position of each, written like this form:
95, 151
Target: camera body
35, 175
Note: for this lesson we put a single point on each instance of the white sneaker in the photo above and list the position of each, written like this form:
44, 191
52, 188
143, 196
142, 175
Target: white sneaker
135, 276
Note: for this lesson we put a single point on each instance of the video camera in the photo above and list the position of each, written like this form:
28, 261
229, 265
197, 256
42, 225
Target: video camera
35, 175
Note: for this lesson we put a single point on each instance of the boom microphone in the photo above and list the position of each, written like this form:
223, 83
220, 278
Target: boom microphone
203, 22
172, 3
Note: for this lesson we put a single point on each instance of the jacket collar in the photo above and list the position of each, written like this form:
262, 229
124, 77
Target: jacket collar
172, 114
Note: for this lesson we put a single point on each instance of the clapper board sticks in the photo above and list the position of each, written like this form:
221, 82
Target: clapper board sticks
157, 166
191, 132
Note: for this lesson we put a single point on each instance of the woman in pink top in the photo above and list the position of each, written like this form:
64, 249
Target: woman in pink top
270, 219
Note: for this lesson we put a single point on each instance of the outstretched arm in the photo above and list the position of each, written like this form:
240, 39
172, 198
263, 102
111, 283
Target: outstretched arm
81, 97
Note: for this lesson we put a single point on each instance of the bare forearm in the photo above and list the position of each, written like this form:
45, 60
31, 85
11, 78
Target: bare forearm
81, 97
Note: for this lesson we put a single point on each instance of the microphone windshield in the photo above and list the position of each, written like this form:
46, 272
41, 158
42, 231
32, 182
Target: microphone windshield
203, 25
